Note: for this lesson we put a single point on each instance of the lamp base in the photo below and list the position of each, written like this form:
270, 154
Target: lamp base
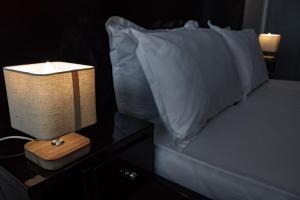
54, 154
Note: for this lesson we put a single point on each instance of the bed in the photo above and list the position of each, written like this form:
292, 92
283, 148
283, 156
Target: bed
222, 129
249, 151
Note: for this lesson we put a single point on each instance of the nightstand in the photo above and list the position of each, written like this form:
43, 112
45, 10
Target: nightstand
270, 63
20, 179
118, 166
146, 186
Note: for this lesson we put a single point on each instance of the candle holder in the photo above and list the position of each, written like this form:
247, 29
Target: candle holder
269, 44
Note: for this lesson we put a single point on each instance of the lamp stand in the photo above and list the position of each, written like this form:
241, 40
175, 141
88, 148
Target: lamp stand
54, 154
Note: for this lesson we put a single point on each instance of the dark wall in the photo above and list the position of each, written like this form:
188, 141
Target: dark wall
254, 14
73, 30
284, 18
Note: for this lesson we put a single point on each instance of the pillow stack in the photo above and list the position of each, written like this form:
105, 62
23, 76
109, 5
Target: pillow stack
189, 75
133, 94
247, 55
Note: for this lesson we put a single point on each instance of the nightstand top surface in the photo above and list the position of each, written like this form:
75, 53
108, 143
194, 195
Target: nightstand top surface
104, 141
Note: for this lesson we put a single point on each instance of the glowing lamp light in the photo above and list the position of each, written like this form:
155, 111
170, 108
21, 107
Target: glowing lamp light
50, 100
47, 100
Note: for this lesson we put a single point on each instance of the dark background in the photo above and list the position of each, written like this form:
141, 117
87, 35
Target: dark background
283, 17
34, 31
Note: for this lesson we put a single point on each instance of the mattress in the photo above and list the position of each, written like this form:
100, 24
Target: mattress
249, 151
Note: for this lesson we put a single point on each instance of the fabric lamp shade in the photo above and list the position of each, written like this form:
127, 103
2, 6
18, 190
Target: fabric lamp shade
269, 42
48, 100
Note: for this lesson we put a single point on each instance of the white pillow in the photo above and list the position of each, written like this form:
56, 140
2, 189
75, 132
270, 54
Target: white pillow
191, 75
247, 55
133, 95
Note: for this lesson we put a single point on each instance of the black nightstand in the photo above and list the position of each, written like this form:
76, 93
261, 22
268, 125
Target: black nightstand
20, 179
119, 166
270, 63
146, 186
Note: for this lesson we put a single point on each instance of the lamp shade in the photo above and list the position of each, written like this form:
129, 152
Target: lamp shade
269, 42
48, 100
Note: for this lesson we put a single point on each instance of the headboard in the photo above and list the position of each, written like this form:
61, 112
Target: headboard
74, 31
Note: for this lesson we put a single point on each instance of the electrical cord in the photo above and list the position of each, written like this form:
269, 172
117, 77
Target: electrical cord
10, 138
15, 137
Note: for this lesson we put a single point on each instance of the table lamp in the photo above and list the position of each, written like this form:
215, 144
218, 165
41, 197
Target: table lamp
49, 101
269, 43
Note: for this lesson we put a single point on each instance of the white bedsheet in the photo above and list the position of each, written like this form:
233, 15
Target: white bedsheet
249, 151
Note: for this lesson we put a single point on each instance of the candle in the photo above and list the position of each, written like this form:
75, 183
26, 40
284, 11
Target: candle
269, 42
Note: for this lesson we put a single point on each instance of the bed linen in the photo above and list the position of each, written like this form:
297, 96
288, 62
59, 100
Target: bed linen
191, 75
247, 55
133, 95
249, 151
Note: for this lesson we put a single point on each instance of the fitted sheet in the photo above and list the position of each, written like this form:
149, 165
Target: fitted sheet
249, 151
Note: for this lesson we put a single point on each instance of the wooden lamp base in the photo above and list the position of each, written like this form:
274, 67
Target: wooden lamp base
54, 154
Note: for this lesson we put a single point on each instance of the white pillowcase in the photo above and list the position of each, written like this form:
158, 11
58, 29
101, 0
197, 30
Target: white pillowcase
191, 75
133, 95
248, 56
